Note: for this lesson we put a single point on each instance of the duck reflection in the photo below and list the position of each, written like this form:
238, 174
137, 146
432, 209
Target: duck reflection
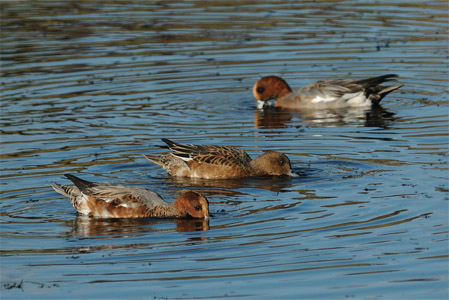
276, 118
228, 186
85, 226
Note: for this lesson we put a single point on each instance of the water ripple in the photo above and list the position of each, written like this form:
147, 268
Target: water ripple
88, 87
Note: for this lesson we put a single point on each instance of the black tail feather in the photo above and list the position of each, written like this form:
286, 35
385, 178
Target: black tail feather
375, 81
170, 143
80, 183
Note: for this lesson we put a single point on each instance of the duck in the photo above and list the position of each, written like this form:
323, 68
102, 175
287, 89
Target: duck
219, 162
324, 93
109, 200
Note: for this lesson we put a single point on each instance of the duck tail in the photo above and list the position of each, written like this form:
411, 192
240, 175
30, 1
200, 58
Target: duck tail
388, 89
374, 89
80, 183
64, 190
376, 94
375, 81
155, 159
183, 151
170, 143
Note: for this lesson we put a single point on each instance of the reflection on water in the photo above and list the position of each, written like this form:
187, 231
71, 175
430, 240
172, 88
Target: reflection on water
90, 86
84, 226
274, 184
376, 116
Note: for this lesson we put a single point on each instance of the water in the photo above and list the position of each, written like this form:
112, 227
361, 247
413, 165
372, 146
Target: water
88, 87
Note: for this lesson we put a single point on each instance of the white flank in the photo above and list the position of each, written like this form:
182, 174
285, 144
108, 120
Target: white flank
319, 99
356, 99
82, 204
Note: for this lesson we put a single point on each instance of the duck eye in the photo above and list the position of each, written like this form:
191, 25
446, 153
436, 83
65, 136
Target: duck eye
260, 90
197, 207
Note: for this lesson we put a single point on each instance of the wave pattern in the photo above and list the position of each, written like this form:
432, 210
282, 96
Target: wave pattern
88, 87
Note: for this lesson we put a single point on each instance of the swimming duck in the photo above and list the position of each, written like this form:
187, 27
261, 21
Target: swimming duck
109, 200
219, 162
323, 94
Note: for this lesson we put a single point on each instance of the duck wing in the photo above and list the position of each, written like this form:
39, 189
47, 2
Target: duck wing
348, 90
117, 194
211, 154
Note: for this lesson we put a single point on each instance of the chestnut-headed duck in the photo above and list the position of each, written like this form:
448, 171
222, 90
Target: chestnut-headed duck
108, 200
219, 162
323, 94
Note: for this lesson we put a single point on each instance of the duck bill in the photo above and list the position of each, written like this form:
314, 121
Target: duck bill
260, 104
293, 174
263, 104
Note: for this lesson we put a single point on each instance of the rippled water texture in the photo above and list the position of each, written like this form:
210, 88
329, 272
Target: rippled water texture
88, 87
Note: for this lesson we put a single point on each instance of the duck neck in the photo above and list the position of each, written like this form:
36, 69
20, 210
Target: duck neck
283, 89
257, 166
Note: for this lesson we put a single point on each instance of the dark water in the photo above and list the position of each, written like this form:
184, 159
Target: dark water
87, 87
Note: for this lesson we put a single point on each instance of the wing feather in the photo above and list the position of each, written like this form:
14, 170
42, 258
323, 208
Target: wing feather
211, 154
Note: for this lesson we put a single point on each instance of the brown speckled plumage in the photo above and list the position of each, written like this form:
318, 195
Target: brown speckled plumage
219, 162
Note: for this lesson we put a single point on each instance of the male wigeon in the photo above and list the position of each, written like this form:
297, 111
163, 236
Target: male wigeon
219, 162
108, 200
323, 94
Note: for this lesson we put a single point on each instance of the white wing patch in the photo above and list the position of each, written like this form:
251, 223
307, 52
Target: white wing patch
319, 99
